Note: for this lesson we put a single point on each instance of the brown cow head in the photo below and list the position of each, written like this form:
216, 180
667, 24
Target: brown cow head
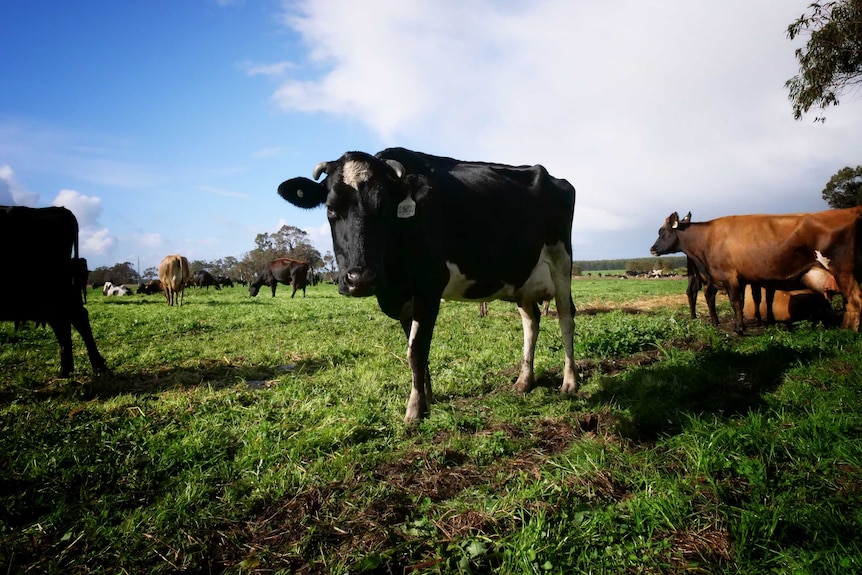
668, 235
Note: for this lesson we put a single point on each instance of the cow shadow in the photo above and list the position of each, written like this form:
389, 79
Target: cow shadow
658, 398
214, 374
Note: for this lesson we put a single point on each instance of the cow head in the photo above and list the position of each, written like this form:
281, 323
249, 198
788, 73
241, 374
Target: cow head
365, 198
668, 234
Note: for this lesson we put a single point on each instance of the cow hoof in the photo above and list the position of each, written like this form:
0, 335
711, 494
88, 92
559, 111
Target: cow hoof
569, 388
523, 386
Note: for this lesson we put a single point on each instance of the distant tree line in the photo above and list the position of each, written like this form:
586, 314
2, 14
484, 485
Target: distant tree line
637, 264
287, 242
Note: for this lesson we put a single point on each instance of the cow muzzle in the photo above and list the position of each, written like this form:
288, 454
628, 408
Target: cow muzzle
358, 282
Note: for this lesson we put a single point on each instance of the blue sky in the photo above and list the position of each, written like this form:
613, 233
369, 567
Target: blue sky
167, 126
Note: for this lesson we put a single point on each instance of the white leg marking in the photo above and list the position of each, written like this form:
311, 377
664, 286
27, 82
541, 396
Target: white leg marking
824, 261
530, 320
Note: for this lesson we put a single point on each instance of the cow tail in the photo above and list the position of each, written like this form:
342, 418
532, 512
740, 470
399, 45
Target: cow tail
79, 267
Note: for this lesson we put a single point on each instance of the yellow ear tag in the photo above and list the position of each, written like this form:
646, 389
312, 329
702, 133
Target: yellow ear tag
407, 208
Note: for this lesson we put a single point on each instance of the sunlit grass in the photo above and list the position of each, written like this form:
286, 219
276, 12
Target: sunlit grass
242, 434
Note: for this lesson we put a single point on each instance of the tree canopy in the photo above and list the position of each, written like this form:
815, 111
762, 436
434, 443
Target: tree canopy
831, 60
844, 189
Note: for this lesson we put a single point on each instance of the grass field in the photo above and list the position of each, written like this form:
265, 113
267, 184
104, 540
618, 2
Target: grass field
261, 435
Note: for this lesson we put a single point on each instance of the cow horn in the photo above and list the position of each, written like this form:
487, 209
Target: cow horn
319, 169
397, 166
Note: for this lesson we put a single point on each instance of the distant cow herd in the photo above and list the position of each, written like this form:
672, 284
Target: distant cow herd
414, 229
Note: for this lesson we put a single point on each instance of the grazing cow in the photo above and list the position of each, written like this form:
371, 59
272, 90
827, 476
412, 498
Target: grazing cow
46, 238
203, 278
411, 228
110, 289
174, 277
815, 250
151, 287
224, 281
281, 270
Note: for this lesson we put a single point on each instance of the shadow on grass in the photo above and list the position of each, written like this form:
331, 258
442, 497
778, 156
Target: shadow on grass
658, 397
213, 374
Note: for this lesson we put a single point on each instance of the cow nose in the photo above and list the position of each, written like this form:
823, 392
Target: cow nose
359, 281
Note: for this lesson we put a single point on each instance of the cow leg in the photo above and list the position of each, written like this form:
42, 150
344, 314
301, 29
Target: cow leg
530, 319
81, 321
63, 331
566, 313
709, 294
419, 330
273, 286
691, 292
756, 298
852, 302
735, 292
770, 298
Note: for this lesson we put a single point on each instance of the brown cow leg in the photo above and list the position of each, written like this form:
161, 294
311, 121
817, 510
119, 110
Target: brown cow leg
735, 294
852, 306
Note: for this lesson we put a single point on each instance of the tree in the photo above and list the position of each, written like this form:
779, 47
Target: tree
123, 273
831, 60
844, 189
287, 242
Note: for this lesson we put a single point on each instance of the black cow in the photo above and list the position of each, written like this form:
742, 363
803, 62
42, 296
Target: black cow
203, 278
46, 238
224, 281
412, 228
151, 287
282, 270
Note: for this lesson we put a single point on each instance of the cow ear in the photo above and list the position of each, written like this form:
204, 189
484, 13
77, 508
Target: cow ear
302, 192
673, 220
686, 220
417, 186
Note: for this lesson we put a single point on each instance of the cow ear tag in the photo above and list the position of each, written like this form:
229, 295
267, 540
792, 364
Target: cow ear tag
407, 208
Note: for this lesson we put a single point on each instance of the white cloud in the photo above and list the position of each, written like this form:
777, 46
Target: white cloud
221, 192
275, 70
151, 240
645, 107
94, 240
320, 237
13, 193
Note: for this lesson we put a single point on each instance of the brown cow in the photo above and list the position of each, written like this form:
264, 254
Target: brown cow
815, 250
174, 276
281, 270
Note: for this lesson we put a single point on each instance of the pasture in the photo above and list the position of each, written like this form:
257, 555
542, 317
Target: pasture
261, 435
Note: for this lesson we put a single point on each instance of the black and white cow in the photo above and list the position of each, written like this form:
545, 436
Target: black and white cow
46, 239
412, 228
110, 289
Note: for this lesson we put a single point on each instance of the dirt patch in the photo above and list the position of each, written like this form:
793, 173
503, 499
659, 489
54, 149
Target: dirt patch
330, 521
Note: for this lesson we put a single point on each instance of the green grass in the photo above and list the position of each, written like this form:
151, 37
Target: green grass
260, 435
